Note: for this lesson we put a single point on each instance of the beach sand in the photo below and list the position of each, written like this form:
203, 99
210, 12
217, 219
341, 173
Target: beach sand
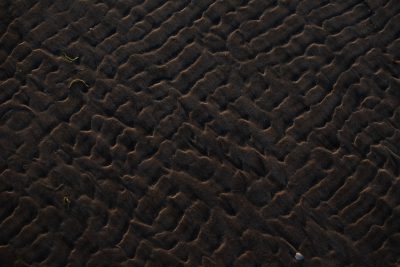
200, 133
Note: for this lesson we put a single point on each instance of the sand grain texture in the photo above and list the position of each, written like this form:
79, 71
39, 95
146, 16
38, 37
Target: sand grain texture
199, 133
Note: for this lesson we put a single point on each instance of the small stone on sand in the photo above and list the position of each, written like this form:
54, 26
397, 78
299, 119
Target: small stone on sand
298, 256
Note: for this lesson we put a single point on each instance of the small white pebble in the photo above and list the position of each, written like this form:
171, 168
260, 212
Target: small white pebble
298, 256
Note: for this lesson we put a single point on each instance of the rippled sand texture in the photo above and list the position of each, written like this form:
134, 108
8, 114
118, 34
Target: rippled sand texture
199, 133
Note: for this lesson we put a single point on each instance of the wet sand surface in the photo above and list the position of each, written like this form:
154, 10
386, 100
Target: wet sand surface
199, 133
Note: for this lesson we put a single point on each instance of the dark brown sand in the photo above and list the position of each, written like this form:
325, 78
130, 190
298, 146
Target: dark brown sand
199, 133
